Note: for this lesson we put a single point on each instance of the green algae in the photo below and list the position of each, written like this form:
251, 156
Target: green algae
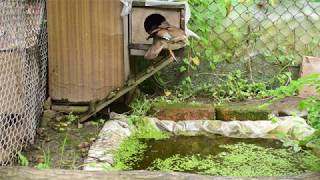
237, 160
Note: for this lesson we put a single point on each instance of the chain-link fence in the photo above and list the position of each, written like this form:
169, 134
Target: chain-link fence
288, 27
23, 73
264, 39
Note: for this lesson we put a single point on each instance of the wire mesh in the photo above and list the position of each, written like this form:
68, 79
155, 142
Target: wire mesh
23, 73
263, 39
258, 27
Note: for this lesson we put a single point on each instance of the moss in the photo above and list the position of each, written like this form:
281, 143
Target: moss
159, 105
242, 112
238, 160
183, 111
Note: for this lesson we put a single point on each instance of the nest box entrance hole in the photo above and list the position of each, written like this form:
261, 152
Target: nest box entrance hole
152, 22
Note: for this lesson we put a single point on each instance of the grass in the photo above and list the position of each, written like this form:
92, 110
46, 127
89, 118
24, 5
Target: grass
22, 160
47, 161
62, 148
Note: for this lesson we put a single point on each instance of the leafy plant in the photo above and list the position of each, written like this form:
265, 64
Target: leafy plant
207, 18
232, 88
22, 160
280, 56
71, 117
47, 161
311, 104
140, 106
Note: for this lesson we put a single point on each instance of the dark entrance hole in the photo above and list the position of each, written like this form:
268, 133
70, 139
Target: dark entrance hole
152, 22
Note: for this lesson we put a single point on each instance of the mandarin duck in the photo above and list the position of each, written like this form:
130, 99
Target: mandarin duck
165, 36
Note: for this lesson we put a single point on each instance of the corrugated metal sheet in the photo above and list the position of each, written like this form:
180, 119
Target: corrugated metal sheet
85, 49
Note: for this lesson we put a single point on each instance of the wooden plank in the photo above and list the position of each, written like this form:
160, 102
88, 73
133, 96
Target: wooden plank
70, 109
25, 173
141, 3
138, 17
85, 49
131, 84
139, 46
137, 52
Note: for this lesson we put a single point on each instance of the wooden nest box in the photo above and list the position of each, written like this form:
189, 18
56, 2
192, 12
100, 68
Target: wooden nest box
142, 18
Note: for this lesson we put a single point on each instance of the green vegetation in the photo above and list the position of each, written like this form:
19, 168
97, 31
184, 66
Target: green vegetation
132, 148
207, 18
72, 118
225, 40
143, 129
130, 151
47, 161
232, 87
141, 106
238, 160
312, 162
62, 148
312, 105
22, 160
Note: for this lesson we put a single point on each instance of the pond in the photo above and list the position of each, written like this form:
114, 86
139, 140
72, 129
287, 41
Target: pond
219, 155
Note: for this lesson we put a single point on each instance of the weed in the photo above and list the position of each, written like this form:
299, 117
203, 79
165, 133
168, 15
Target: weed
47, 161
143, 129
140, 106
71, 117
62, 148
233, 88
22, 159
311, 104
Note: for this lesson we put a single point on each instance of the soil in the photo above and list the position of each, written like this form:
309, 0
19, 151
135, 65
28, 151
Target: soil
65, 149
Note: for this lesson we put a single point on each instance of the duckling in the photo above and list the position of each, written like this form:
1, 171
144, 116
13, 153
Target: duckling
165, 36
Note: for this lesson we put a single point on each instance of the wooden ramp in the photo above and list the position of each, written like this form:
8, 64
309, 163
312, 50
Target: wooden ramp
131, 84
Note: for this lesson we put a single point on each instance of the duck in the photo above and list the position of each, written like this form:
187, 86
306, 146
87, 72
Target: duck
165, 36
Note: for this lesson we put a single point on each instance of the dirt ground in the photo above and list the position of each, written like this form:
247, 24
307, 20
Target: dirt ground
65, 148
